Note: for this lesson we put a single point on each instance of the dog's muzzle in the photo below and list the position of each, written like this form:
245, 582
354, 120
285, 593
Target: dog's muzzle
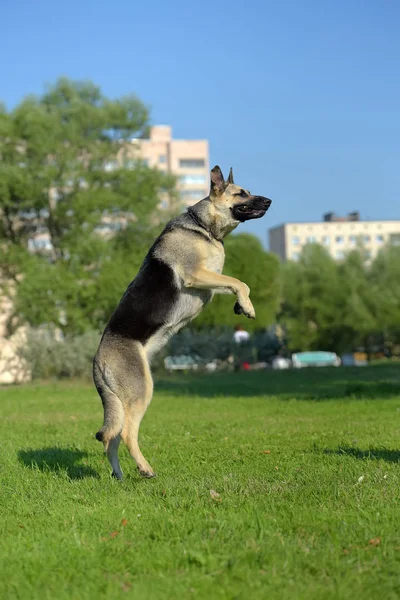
255, 208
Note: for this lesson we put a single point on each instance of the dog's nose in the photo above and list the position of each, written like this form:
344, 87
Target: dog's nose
267, 202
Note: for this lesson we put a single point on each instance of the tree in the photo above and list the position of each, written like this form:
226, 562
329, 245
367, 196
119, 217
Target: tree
384, 292
248, 261
335, 306
311, 299
357, 309
67, 172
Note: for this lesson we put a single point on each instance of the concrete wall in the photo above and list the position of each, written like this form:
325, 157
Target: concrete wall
12, 368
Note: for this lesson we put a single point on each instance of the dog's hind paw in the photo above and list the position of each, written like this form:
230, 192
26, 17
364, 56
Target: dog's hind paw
147, 474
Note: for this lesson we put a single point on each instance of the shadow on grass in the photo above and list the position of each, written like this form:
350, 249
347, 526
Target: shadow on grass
302, 384
391, 456
59, 460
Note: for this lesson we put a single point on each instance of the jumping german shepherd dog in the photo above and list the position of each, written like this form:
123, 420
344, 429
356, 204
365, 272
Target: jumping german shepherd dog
180, 274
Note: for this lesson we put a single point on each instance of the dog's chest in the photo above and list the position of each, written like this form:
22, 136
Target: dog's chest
215, 260
192, 300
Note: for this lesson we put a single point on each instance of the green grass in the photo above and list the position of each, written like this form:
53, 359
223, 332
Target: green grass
307, 466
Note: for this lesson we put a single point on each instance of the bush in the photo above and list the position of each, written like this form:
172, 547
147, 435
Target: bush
207, 343
218, 343
50, 355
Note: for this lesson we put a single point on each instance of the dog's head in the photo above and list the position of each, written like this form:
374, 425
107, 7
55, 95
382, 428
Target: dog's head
234, 204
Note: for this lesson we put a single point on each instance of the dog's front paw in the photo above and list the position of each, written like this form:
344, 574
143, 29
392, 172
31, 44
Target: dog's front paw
245, 307
237, 309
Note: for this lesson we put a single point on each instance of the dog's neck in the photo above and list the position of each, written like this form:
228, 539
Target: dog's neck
200, 215
198, 221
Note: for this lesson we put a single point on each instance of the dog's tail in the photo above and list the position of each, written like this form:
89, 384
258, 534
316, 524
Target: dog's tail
114, 414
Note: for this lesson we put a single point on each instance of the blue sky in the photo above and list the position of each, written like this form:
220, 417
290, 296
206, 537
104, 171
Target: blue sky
302, 98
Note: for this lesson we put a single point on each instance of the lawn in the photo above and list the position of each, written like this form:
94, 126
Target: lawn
305, 466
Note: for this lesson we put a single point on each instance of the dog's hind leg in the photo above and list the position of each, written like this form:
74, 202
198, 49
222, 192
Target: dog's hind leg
112, 455
123, 380
135, 410
110, 433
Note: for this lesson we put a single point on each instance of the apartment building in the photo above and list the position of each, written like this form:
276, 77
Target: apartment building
186, 159
337, 234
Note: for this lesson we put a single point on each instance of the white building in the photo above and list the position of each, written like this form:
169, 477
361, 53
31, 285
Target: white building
337, 235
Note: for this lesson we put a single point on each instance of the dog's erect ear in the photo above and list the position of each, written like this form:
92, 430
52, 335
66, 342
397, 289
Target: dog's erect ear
218, 184
230, 177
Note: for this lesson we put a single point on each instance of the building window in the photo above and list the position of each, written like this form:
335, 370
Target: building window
193, 179
353, 239
367, 254
295, 240
195, 194
54, 194
326, 240
129, 163
295, 255
108, 227
379, 239
339, 254
367, 239
311, 239
39, 244
192, 163
395, 239
162, 159
339, 239
110, 166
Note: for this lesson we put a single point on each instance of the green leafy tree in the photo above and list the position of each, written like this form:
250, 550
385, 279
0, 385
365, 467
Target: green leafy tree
384, 293
357, 321
67, 173
338, 306
311, 299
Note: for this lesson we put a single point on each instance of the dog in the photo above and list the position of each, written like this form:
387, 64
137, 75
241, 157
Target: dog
180, 274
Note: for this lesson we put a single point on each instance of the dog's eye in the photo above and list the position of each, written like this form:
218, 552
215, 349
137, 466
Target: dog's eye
242, 194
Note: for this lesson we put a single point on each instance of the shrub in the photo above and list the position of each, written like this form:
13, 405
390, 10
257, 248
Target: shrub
50, 355
207, 343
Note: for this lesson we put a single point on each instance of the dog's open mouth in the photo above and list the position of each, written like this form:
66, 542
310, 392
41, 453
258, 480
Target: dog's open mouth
249, 213
254, 209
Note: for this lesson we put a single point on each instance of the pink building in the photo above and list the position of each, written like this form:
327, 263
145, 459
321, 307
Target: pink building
188, 160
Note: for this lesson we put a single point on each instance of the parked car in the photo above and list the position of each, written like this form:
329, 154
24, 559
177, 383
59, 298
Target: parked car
182, 363
315, 359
